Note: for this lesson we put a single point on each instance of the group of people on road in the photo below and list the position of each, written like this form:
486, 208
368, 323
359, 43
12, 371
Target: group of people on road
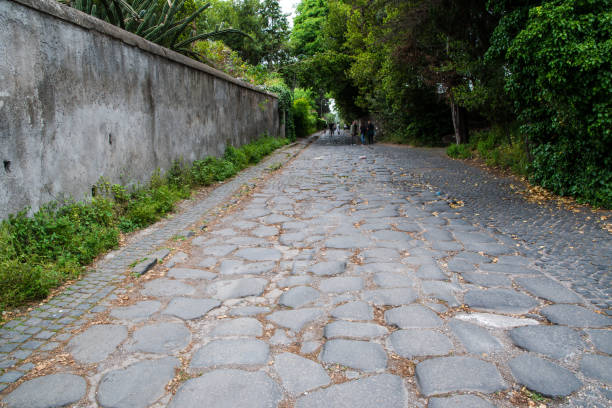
366, 132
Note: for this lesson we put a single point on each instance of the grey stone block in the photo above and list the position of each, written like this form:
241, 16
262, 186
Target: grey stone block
228, 388
394, 280
354, 330
341, 284
138, 311
495, 321
348, 242
309, 347
361, 355
299, 374
97, 342
575, 316
294, 281
144, 266
602, 339
167, 288
231, 352
554, 341
298, 296
354, 311
419, 342
218, 250
10, 376
138, 385
390, 297
237, 288
597, 367
459, 401
190, 273
328, 268
295, 319
243, 326
259, 254
451, 374
412, 316
190, 308
487, 280
431, 271
55, 390
380, 391
548, 289
543, 376
499, 300
475, 339
444, 291
233, 267
162, 338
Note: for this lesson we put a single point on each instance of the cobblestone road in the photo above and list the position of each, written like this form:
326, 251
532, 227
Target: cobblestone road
346, 280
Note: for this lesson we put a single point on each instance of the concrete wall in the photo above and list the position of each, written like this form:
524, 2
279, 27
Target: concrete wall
80, 99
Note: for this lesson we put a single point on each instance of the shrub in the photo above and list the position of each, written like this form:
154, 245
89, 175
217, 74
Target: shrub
460, 151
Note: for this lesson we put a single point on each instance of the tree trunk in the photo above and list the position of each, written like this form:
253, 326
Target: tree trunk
459, 122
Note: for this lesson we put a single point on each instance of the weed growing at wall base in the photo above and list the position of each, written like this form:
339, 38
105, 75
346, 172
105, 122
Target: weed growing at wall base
40, 252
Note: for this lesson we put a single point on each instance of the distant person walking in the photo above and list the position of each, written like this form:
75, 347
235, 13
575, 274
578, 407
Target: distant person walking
353, 130
370, 131
362, 131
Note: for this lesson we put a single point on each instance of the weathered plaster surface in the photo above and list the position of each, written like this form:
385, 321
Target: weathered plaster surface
81, 99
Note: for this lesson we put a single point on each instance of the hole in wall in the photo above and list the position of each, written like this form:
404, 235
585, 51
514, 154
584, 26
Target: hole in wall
7, 166
94, 190
110, 138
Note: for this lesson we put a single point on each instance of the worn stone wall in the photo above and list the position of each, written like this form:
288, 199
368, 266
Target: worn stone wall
81, 99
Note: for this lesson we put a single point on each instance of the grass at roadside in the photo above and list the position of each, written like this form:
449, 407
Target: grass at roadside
40, 252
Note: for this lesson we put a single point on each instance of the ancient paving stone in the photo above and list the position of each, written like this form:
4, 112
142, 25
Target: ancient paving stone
459, 401
555, 341
412, 317
55, 390
167, 288
298, 374
354, 311
298, 296
218, 250
294, 281
419, 342
356, 241
341, 284
361, 355
499, 300
233, 267
548, 289
190, 308
295, 319
597, 367
280, 338
430, 272
390, 297
10, 376
496, 321
602, 339
354, 330
244, 326
237, 288
259, 254
231, 352
328, 268
394, 280
385, 254
207, 262
508, 269
138, 385
460, 265
97, 342
395, 267
293, 239
265, 231
189, 273
249, 310
575, 316
488, 280
543, 376
449, 374
162, 338
442, 290
475, 339
178, 258
144, 266
380, 391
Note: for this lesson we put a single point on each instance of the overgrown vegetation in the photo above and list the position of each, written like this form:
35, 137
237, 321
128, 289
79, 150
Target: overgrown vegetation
40, 252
